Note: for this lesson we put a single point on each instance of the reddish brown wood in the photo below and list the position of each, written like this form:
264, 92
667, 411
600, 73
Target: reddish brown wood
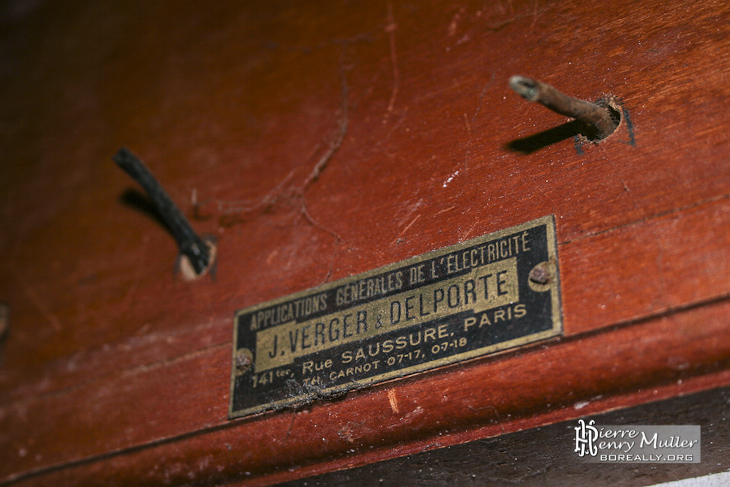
115, 369
163, 419
436, 409
537, 457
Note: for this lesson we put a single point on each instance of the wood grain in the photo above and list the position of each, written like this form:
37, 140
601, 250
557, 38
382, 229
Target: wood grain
325, 139
538, 456
141, 442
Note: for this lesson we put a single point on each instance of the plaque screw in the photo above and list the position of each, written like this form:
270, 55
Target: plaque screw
539, 274
597, 117
243, 361
199, 252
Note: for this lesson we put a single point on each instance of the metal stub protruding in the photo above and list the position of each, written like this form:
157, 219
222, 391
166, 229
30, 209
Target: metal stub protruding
197, 254
188, 270
600, 119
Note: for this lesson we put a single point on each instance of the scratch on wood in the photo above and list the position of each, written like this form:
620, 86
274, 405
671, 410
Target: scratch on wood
291, 423
228, 208
476, 113
481, 96
659, 261
445, 210
466, 234
339, 138
232, 212
450, 178
143, 368
660, 214
406, 229
318, 225
390, 29
501, 25
383, 140
38, 303
410, 211
455, 21
496, 414
660, 267
346, 433
393, 401
325, 159
413, 414
333, 254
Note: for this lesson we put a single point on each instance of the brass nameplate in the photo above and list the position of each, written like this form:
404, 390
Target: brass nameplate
468, 300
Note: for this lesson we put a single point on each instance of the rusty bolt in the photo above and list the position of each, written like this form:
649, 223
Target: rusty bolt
539, 274
243, 361
598, 117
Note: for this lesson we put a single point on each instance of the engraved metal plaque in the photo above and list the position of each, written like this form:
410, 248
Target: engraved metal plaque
468, 300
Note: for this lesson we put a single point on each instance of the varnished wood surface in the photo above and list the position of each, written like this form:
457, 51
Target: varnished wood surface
538, 457
321, 140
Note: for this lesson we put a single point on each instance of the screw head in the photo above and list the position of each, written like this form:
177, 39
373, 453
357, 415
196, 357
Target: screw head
243, 361
539, 274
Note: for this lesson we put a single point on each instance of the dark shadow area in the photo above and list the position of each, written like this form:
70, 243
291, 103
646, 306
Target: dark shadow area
533, 143
136, 199
4, 328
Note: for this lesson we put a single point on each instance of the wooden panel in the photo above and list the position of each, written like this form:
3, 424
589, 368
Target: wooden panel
539, 456
324, 139
141, 442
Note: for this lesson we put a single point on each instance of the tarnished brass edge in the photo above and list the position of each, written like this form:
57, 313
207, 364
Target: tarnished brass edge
556, 297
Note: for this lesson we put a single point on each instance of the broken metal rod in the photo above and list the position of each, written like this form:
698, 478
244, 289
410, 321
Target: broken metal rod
190, 244
593, 115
